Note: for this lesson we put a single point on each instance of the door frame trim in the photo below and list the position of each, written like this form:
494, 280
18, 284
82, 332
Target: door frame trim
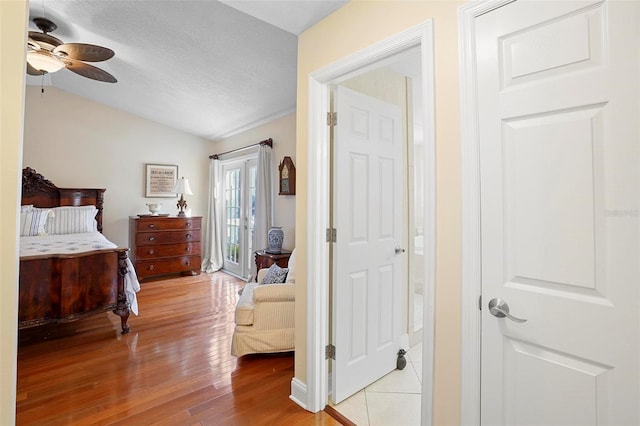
315, 394
471, 319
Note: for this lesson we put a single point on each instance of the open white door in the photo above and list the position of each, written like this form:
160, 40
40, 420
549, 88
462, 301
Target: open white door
558, 90
369, 263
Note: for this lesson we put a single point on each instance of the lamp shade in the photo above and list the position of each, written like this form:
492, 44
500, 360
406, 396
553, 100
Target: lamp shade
182, 186
44, 61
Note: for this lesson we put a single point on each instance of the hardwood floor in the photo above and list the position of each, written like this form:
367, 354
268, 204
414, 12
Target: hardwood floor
173, 368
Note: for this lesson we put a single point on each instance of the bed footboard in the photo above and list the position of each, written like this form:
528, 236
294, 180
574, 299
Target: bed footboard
62, 288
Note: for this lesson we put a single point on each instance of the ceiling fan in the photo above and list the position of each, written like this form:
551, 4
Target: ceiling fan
48, 54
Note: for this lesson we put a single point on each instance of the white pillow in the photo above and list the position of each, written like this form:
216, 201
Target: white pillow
32, 222
72, 220
291, 276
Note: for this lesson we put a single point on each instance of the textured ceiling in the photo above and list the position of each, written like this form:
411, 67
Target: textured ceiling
205, 67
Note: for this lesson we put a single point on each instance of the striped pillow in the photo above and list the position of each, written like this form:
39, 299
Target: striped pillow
32, 222
72, 220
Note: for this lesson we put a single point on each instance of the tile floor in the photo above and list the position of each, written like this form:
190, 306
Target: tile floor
394, 400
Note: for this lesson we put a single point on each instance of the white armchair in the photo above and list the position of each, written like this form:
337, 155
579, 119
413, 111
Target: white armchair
264, 316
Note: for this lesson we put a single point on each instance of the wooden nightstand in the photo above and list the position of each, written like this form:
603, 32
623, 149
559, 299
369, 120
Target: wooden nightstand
264, 259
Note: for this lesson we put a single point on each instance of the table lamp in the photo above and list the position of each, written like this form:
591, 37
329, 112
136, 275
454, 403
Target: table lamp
182, 187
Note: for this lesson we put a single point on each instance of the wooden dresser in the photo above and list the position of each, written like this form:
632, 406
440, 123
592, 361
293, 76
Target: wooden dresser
165, 245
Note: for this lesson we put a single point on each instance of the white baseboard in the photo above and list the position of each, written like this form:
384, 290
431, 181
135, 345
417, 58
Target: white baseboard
298, 393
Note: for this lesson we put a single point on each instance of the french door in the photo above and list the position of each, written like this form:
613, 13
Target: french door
239, 188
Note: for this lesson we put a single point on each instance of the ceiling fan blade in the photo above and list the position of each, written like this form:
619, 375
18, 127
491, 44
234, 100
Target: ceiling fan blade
83, 52
47, 39
32, 71
89, 71
32, 45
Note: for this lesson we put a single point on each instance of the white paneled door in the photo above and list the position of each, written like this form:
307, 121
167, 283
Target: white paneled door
369, 263
558, 90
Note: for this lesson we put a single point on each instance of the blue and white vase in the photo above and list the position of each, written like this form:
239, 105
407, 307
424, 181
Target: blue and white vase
276, 236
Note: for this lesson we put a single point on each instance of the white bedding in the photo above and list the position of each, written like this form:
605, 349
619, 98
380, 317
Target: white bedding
64, 244
79, 243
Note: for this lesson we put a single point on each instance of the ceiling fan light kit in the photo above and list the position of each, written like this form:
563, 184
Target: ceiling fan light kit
44, 61
48, 54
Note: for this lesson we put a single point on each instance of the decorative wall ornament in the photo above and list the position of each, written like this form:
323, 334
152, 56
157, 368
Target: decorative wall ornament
287, 177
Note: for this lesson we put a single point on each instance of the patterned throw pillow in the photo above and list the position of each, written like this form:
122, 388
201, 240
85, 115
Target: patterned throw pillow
275, 274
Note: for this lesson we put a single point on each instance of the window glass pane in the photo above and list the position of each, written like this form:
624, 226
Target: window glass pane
232, 210
252, 173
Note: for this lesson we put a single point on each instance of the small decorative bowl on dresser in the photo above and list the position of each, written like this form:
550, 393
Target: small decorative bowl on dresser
165, 245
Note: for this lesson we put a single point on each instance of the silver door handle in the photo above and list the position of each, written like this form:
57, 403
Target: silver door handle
399, 250
499, 308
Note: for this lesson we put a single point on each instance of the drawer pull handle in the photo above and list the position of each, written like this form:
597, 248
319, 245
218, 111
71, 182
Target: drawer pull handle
150, 252
152, 238
188, 236
152, 225
188, 224
188, 249
187, 263
151, 267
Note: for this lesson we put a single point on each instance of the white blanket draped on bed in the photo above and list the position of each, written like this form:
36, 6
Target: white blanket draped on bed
80, 243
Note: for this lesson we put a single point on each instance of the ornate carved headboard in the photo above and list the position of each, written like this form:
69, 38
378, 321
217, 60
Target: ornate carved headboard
41, 192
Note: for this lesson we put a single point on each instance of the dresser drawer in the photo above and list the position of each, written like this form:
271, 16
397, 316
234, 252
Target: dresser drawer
152, 238
163, 224
146, 268
185, 236
168, 250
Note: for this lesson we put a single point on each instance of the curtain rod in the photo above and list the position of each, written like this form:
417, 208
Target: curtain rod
268, 142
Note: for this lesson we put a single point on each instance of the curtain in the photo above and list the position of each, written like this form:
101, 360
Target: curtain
264, 203
213, 259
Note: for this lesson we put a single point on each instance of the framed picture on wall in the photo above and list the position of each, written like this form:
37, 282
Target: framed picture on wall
160, 180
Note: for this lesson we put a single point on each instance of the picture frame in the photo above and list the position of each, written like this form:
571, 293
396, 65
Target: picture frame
160, 180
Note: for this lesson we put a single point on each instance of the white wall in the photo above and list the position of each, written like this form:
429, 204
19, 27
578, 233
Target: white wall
75, 142
13, 20
346, 32
283, 132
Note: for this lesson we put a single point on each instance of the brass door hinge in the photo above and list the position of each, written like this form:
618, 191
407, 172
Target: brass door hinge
330, 352
332, 119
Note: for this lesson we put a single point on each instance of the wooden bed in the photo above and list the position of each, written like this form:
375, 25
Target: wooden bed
67, 287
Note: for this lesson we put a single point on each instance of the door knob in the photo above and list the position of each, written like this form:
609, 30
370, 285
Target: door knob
399, 250
499, 308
